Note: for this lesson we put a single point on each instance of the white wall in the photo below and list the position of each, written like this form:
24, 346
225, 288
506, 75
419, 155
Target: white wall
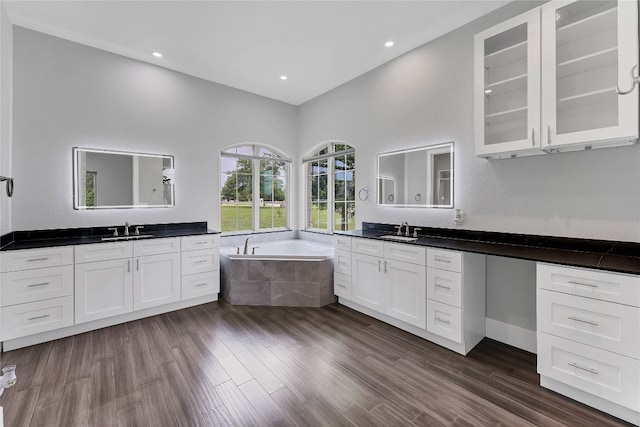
67, 95
6, 99
426, 97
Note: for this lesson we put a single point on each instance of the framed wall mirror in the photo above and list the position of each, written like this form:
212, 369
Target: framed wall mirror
416, 177
104, 179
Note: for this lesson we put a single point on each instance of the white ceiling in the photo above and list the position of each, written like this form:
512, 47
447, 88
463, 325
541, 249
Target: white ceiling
249, 44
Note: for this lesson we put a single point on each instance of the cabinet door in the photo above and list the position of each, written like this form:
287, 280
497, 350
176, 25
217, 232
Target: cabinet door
156, 280
103, 289
588, 48
507, 87
367, 281
406, 286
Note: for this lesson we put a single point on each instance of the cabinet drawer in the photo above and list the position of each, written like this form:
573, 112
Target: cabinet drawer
444, 286
602, 324
197, 285
444, 320
341, 242
36, 317
201, 261
445, 260
342, 285
103, 252
604, 374
20, 287
36, 258
342, 262
156, 246
204, 241
405, 253
367, 247
614, 287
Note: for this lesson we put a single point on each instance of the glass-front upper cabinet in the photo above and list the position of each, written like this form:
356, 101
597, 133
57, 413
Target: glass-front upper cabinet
589, 49
507, 88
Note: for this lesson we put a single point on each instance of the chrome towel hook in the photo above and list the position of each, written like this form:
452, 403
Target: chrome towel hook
635, 79
9, 185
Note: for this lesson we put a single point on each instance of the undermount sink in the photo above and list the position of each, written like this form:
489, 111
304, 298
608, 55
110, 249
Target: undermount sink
399, 238
132, 237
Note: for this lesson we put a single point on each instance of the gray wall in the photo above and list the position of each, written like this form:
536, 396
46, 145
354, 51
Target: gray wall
68, 95
425, 97
6, 99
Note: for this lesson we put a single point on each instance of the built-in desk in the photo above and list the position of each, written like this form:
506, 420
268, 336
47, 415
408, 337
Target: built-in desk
587, 305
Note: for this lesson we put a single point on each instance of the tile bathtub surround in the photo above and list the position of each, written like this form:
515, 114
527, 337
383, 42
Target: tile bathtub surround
277, 283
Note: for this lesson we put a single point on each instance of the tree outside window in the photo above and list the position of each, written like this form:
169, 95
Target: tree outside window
253, 189
330, 189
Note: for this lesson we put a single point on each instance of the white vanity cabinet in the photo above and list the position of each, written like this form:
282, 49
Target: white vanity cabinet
37, 291
588, 333
342, 267
545, 81
200, 266
103, 280
390, 278
436, 294
456, 297
156, 277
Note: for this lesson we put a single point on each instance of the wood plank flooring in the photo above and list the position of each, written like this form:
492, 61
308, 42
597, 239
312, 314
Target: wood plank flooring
222, 365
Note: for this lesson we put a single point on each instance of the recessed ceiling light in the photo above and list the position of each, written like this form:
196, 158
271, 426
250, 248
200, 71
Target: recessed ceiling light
389, 43
156, 54
283, 77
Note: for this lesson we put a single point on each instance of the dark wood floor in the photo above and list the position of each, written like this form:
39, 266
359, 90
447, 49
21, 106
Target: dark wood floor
218, 365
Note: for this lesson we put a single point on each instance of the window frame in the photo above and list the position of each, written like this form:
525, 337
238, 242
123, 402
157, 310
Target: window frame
256, 158
330, 155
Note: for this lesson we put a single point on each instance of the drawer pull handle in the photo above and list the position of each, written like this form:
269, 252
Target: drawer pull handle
575, 282
201, 261
442, 259
199, 243
385, 266
341, 286
577, 319
443, 286
379, 269
342, 262
447, 322
37, 259
44, 316
33, 285
575, 365
199, 285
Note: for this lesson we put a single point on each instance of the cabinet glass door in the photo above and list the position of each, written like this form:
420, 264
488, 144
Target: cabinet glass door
507, 85
589, 47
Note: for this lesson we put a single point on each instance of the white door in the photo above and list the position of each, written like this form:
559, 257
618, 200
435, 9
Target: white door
588, 49
367, 283
156, 280
406, 286
103, 289
507, 87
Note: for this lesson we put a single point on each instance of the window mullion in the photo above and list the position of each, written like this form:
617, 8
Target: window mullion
255, 175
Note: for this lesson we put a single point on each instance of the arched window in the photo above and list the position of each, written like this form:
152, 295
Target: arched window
253, 188
330, 188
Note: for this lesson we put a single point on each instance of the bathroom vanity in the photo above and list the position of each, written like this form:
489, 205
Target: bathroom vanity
433, 285
57, 283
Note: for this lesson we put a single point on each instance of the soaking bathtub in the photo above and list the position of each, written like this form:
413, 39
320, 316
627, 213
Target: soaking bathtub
294, 273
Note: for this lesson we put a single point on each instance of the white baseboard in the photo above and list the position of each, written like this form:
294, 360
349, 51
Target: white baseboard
524, 339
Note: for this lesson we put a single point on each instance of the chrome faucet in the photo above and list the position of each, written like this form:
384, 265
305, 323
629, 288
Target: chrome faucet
406, 230
246, 246
126, 229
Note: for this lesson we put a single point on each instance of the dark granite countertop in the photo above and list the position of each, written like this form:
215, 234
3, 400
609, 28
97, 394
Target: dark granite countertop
623, 257
34, 239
